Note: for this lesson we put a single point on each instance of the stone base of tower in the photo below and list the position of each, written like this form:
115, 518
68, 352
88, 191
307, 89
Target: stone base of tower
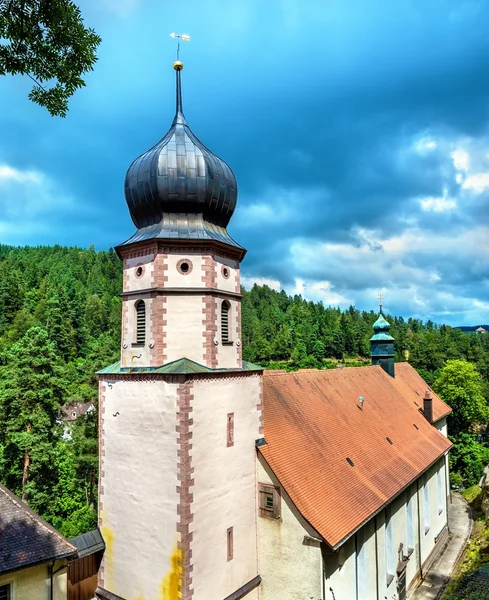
177, 490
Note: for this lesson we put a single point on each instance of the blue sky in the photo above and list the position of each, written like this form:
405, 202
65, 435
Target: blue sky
358, 133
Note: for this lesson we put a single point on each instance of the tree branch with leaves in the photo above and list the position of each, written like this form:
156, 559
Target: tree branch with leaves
47, 41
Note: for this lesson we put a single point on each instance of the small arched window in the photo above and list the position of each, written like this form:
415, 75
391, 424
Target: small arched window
140, 322
225, 307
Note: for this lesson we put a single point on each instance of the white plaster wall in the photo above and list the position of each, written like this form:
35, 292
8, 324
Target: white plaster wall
228, 354
136, 355
224, 491
438, 520
138, 283
185, 328
340, 573
34, 583
188, 280
231, 284
366, 575
441, 425
138, 481
285, 563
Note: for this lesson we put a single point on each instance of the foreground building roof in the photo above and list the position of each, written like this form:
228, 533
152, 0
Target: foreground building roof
26, 540
339, 459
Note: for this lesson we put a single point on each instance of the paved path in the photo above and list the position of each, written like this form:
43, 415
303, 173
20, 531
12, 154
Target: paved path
460, 525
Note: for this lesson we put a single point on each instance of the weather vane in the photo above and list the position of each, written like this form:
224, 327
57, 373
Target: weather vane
184, 37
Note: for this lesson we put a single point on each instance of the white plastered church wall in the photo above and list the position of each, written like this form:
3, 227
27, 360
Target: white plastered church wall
138, 483
224, 490
288, 567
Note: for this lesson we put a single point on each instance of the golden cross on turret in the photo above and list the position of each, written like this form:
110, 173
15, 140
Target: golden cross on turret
380, 296
182, 36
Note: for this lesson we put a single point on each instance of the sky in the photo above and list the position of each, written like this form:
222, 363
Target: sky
357, 131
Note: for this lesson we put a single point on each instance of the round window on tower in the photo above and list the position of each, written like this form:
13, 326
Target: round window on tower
139, 271
225, 272
184, 266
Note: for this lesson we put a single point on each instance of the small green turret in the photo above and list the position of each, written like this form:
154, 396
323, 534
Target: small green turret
382, 345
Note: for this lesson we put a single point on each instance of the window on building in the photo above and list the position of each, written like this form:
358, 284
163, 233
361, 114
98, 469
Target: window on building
140, 322
5, 592
389, 547
439, 486
426, 505
230, 543
230, 430
269, 499
409, 522
225, 308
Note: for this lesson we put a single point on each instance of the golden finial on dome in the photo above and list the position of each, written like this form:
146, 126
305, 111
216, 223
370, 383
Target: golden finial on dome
178, 65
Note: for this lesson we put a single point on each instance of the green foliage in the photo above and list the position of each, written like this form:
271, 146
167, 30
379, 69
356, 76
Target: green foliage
48, 42
468, 457
60, 323
60, 315
461, 386
468, 585
30, 398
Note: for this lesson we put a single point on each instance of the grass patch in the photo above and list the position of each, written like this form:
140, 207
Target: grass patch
473, 496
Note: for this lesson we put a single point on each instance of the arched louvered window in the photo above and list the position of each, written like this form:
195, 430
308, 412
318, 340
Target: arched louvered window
140, 322
225, 307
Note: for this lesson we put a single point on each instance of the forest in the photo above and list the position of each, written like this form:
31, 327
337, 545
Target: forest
60, 311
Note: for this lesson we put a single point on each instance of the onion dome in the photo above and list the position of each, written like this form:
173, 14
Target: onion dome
381, 329
179, 189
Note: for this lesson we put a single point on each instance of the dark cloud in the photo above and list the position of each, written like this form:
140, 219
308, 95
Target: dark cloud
318, 109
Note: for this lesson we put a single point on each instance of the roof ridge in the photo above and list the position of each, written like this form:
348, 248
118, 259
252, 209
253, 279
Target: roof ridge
33, 516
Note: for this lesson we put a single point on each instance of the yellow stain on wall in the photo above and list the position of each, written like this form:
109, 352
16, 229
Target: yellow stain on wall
109, 539
171, 586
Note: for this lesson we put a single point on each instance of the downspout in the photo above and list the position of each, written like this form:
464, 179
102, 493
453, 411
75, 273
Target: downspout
356, 567
376, 560
51, 582
419, 530
445, 475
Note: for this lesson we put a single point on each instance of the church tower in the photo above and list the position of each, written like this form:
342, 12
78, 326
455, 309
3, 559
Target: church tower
180, 413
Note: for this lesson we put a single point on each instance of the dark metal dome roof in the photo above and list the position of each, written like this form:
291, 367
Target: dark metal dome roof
179, 188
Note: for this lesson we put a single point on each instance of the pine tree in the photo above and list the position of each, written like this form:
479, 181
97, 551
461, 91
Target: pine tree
30, 397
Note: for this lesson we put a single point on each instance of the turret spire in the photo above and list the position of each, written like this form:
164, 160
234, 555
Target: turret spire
179, 116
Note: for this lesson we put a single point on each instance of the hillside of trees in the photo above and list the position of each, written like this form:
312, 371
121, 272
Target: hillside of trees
60, 311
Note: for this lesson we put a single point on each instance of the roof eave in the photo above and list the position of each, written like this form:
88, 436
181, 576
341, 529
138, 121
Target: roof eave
43, 561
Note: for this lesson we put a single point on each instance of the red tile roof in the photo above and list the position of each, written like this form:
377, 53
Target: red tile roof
314, 422
410, 382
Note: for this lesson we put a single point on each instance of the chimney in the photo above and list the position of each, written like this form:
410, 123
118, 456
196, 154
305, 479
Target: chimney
428, 406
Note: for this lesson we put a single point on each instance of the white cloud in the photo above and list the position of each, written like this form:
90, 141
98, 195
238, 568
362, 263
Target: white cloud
248, 282
438, 204
477, 182
460, 160
30, 201
425, 145
7, 173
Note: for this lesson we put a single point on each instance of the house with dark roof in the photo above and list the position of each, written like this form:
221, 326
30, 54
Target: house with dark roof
33, 556
219, 481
